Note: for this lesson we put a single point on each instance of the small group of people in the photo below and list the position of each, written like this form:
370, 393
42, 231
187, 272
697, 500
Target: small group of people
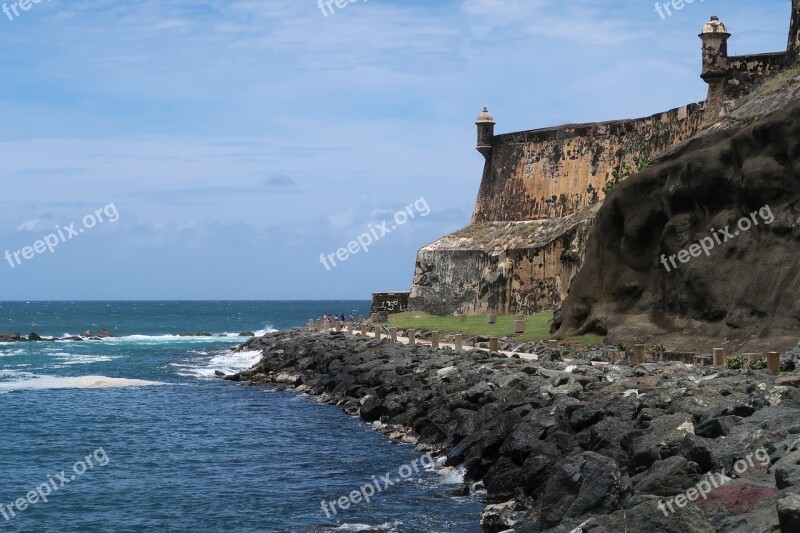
333, 319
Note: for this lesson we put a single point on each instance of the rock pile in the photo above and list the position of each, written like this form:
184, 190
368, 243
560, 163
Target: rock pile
568, 446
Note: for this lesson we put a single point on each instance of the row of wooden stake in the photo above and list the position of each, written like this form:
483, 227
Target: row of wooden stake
773, 358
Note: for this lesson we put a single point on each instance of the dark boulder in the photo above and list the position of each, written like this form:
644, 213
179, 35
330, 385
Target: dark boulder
668, 477
583, 484
10, 337
789, 513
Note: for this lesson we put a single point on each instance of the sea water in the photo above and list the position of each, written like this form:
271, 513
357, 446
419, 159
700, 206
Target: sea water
184, 450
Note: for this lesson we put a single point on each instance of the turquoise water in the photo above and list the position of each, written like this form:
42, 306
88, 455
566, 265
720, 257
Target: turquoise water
173, 449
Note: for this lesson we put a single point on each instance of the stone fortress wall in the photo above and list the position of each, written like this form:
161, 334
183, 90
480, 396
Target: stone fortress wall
540, 188
555, 172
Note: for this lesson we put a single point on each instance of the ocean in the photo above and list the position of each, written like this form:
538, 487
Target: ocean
135, 433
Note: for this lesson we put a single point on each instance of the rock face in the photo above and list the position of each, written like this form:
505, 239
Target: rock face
504, 266
563, 447
705, 241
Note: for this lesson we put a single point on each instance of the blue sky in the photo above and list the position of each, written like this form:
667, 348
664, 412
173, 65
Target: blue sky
239, 140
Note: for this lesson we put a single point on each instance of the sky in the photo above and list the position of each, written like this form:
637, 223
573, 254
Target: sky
226, 146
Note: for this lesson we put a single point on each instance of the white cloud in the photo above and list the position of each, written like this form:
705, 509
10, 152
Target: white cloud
29, 225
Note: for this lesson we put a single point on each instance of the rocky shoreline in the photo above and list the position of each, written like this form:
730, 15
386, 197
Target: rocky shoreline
570, 446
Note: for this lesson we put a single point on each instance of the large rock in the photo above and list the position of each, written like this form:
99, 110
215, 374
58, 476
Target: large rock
10, 337
668, 477
789, 513
787, 471
647, 516
587, 483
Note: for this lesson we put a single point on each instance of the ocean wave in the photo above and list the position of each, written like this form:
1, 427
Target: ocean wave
77, 359
366, 527
78, 382
226, 362
12, 353
171, 337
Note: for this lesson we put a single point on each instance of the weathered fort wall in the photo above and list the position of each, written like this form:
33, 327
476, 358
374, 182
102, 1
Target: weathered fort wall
507, 267
745, 73
554, 172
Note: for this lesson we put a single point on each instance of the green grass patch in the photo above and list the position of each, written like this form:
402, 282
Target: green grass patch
537, 327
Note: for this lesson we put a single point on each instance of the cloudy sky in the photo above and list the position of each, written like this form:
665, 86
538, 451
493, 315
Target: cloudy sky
239, 140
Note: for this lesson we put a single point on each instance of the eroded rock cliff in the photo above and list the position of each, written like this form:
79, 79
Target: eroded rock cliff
705, 242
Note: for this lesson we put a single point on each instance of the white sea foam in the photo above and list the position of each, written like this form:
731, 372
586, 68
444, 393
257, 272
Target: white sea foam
455, 477
75, 359
366, 527
227, 362
11, 373
78, 382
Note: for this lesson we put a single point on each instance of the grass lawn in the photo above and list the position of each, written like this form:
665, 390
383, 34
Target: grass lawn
537, 327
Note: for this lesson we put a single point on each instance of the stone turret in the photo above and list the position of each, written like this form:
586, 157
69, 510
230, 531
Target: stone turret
485, 125
715, 65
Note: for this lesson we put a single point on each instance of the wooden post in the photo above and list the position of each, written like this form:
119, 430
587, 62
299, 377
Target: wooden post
435, 339
552, 344
638, 353
459, 342
350, 328
519, 324
378, 332
491, 318
412, 337
462, 317
719, 357
360, 319
311, 324
393, 334
494, 344
338, 326
364, 328
774, 362
319, 324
